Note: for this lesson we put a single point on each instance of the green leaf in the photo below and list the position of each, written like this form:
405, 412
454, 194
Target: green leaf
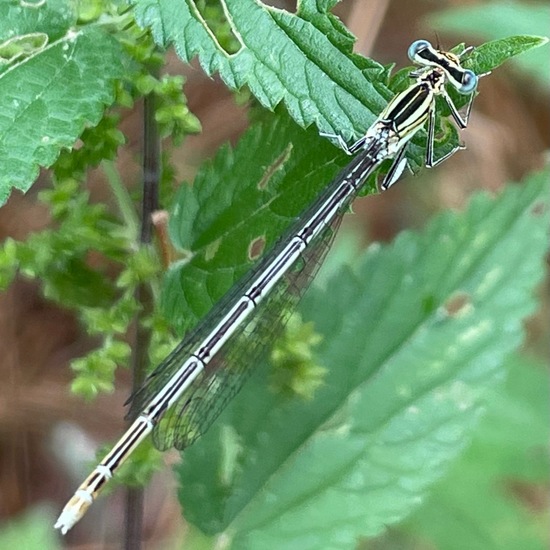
243, 196
499, 19
414, 338
491, 55
49, 97
252, 194
302, 60
489, 500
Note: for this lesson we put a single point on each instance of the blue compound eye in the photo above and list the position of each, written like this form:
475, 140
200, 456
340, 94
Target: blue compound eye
416, 47
469, 82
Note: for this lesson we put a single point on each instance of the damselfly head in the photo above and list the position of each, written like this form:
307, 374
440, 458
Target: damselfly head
423, 53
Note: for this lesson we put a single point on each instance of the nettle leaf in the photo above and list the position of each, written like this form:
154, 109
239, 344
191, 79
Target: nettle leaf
244, 196
252, 194
484, 503
414, 338
492, 54
47, 99
303, 60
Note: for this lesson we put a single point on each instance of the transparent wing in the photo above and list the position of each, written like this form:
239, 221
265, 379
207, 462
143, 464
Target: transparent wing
225, 374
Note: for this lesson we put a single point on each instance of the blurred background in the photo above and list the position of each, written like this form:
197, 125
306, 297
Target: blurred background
47, 436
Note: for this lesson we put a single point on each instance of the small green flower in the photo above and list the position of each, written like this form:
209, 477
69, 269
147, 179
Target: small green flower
295, 371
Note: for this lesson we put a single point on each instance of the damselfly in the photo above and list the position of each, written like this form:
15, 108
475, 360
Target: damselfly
187, 391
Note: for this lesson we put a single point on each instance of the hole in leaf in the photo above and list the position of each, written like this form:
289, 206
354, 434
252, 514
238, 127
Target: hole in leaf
214, 16
275, 166
22, 46
457, 304
538, 209
256, 248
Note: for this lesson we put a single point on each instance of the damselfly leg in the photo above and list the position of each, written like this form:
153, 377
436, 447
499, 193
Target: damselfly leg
409, 110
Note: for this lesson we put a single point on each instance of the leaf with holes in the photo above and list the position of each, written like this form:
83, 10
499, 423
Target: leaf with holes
414, 338
48, 96
303, 60
240, 203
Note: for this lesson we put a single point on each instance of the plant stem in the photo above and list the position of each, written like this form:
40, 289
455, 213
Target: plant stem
151, 177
